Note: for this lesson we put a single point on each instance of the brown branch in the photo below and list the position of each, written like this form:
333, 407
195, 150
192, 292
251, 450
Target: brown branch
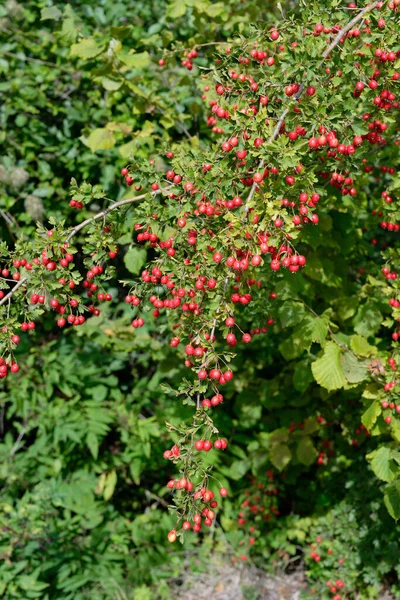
105, 212
347, 28
75, 230
12, 292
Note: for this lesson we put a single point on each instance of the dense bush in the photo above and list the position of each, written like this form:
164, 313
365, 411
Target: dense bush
263, 148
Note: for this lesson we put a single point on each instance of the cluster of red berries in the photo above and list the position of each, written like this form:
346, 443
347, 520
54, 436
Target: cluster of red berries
215, 400
206, 514
76, 204
206, 445
5, 368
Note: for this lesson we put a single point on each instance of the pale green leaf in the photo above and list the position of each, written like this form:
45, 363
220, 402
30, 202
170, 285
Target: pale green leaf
370, 416
175, 9
136, 61
110, 84
86, 48
280, 456
110, 484
100, 139
392, 499
354, 370
382, 464
360, 346
327, 370
50, 13
215, 10
305, 451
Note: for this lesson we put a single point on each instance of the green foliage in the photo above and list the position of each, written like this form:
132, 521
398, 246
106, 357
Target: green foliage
310, 415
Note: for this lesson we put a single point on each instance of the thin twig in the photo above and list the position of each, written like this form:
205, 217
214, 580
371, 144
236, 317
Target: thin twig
15, 448
347, 28
12, 292
105, 212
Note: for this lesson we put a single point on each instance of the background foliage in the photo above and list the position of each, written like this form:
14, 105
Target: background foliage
83, 496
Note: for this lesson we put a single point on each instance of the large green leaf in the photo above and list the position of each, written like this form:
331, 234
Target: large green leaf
86, 48
52, 13
360, 346
367, 320
392, 499
383, 464
100, 139
280, 456
305, 451
354, 370
175, 9
370, 416
327, 369
140, 60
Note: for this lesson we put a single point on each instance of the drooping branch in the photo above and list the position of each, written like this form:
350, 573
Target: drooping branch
110, 208
82, 225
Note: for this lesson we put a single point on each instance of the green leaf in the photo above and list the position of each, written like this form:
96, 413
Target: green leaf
109, 486
136, 61
110, 84
175, 9
214, 10
134, 259
238, 469
100, 139
382, 464
306, 452
280, 456
353, 369
370, 416
302, 378
395, 430
392, 499
360, 346
279, 435
50, 13
136, 468
92, 443
291, 313
367, 320
327, 370
86, 48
